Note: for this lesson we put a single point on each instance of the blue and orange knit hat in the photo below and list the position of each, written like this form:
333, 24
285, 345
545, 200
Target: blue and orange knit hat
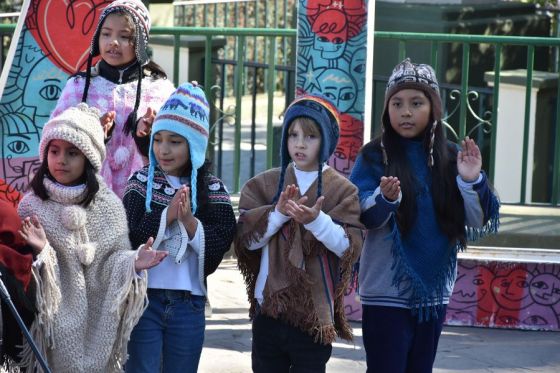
186, 112
327, 118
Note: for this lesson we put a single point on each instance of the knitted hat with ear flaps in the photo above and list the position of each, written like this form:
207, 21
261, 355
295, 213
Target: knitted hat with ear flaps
186, 112
327, 118
409, 75
142, 23
80, 126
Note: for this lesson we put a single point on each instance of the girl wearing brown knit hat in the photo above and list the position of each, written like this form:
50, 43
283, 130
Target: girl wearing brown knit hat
125, 85
417, 192
90, 285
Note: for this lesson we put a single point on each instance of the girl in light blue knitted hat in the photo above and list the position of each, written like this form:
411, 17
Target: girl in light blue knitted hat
188, 210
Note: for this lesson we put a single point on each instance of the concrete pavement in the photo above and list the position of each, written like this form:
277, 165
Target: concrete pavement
227, 346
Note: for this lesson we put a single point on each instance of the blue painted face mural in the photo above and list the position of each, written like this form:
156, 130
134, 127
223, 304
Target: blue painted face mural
53, 42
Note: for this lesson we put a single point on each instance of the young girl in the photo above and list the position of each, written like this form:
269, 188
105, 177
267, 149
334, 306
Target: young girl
298, 236
176, 200
89, 294
417, 194
123, 85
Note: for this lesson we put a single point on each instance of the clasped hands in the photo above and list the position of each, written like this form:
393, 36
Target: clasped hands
288, 205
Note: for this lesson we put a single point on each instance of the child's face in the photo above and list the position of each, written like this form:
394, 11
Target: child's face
409, 112
172, 152
303, 147
66, 162
116, 43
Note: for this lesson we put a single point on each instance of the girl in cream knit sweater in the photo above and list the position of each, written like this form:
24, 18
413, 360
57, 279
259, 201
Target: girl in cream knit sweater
91, 289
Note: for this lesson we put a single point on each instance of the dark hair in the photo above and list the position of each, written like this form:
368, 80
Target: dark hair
151, 68
89, 178
448, 202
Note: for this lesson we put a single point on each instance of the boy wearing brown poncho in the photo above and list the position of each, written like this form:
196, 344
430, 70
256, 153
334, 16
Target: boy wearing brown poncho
298, 237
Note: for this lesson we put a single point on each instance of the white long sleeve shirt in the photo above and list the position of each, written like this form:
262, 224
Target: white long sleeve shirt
323, 228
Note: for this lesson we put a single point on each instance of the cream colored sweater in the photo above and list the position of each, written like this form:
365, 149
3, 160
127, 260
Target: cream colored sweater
88, 294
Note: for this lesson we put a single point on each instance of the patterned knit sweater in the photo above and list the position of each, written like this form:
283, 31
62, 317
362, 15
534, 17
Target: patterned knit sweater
89, 296
217, 217
123, 156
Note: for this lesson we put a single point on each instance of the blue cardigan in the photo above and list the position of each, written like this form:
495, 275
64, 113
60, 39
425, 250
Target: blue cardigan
417, 271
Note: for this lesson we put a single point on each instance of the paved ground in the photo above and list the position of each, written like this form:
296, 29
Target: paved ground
227, 347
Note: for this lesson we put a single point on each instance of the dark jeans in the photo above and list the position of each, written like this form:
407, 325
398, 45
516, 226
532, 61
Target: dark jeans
396, 342
169, 335
279, 347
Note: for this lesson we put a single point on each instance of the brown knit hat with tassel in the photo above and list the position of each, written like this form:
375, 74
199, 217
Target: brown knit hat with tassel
142, 24
409, 75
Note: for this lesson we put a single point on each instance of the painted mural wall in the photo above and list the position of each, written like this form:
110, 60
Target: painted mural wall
498, 294
331, 61
51, 42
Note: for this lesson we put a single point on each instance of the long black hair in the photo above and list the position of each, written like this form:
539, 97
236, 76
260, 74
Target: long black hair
448, 202
88, 178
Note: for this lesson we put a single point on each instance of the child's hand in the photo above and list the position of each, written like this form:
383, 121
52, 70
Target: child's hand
469, 160
144, 127
33, 233
390, 187
148, 257
107, 122
185, 214
303, 214
173, 208
288, 194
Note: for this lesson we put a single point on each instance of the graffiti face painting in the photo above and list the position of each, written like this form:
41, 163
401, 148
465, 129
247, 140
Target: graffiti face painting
53, 43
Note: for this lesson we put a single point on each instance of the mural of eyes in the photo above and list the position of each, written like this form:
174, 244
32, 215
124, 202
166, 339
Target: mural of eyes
19, 135
339, 87
535, 320
42, 89
332, 33
358, 67
508, 320
18, 147
50, 92
545, 289
511, 290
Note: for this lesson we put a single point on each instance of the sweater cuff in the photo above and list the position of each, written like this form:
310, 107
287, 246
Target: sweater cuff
195, 242
462, 184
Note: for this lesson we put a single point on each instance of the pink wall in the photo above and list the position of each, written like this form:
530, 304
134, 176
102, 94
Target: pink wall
498, 295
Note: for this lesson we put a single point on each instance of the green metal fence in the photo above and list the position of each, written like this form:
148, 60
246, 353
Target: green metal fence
436, 43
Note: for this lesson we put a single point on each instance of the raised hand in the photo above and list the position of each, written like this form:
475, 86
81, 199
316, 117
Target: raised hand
33, 233
390, 187
144, 127
469, 160
148, 257
289, 194
303, 214
107, 122
185, 214
174, 205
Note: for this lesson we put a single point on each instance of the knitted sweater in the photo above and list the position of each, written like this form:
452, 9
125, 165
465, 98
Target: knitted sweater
385, 276
88, 293
216, 217
123, 156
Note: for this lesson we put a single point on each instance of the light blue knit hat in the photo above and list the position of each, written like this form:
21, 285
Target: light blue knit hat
186, 113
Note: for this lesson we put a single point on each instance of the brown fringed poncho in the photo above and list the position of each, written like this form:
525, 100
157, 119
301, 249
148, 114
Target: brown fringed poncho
306, 282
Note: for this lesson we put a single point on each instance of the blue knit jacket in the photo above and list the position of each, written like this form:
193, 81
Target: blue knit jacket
417, 271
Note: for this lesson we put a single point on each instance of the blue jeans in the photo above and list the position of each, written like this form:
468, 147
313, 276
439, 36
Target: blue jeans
169, 336
396, 342
281, 348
